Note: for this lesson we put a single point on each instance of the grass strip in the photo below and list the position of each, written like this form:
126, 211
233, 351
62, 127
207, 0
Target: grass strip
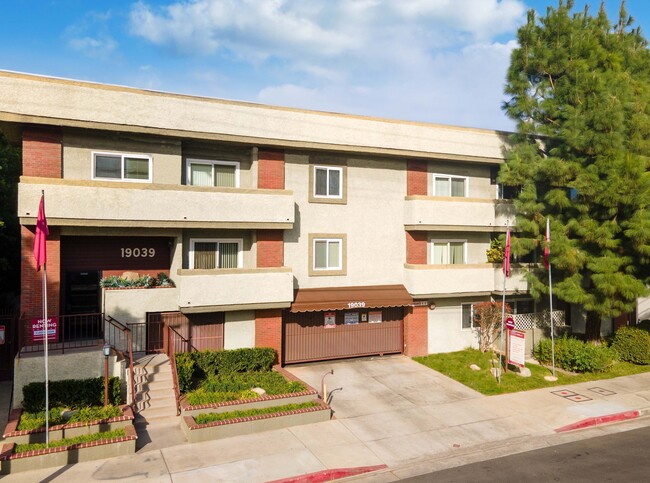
85, 438
30, 420
456, 366
211, 417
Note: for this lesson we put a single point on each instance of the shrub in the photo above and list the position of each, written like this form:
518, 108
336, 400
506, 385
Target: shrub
210, 417
185, 371
575, 355
85, 438
71, 393
632, 344
36, 420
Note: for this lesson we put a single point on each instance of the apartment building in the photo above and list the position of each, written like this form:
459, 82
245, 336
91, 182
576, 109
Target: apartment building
321, 235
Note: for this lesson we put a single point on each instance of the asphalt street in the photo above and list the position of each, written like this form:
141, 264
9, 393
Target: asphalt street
620, 457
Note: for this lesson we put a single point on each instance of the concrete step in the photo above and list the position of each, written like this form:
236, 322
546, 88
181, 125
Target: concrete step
152, 370
155, 403
167, 385
152, 414
156, 393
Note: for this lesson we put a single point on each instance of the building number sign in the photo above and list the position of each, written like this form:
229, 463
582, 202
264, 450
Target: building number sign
143, 252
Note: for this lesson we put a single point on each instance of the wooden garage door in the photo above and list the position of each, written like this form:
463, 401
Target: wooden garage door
307, 339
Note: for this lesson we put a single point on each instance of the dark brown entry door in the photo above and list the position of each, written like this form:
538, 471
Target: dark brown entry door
199, 331
307, 339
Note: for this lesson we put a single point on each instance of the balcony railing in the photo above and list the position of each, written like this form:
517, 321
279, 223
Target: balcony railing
428, 212
101, 203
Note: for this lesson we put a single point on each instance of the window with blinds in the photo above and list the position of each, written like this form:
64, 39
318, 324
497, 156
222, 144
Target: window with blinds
121, 167
448, 252
455, 186
211, 254
327, 254
213, 173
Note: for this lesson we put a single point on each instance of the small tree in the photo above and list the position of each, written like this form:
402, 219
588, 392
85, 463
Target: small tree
487, 316
496, 252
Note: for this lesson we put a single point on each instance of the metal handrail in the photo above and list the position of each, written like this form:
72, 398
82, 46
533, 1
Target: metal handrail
172, 360
75, 331
129, 350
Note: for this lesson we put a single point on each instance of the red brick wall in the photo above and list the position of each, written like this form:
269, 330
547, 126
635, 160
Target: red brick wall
31, 293
416, 247
42, 153
270, 248
268, 330
270, 169
416, 331
416, 178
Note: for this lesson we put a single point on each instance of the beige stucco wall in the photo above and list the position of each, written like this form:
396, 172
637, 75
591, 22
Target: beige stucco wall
239, 329
164, 152
74, 364
130, 306
643, 309
371, 218
445, 327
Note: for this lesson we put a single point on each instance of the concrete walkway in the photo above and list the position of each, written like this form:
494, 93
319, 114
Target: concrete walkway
388, 411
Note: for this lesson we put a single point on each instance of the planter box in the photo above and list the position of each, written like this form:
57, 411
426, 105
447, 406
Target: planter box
62, 431
64, 455
254, 424
258, 403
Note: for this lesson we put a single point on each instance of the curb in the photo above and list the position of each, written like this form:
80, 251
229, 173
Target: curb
330, 475
596, 420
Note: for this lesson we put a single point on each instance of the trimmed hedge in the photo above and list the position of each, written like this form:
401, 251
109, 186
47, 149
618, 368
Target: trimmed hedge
575, 355
71, 393
211, 417
84, 438
632, 344
30, 421
192, 367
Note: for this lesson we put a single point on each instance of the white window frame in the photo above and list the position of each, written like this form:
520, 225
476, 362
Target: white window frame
93, 167
211, 162
328, 240
472, 326
328, 169
440, 241
449, 177
240, 252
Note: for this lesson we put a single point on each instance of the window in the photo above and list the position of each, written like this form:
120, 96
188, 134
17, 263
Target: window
448, 252
328, 182
468, 322
123, 167
444, 185
209, 253
327, 254
212, 173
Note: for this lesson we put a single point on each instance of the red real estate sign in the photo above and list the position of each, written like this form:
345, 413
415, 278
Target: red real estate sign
38, 329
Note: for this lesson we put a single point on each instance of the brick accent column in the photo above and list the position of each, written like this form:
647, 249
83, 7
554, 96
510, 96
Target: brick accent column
31, 293
270, 248
416, 331
42, 153
416, 177
268, 330
416, 247
270, 169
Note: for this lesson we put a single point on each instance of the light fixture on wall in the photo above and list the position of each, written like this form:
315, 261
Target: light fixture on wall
107, 352
432, 305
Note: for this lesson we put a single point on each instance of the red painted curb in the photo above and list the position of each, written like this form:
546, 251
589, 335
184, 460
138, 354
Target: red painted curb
329, 475
609, 418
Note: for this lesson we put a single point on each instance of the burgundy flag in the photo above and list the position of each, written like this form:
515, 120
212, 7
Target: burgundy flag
40, 250
547, 247
506, 255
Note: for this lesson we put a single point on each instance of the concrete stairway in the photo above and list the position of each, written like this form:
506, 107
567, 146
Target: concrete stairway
156, 422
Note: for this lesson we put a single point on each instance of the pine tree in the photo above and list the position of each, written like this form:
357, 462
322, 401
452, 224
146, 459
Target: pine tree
579, 91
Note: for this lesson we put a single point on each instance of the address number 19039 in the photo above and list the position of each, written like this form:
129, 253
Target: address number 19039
356, 305
138, 252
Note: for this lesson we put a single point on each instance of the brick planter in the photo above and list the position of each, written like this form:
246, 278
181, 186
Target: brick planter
64, 455
62, 431
253, 424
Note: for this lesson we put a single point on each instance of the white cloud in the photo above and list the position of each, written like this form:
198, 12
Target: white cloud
412, 59
90, 36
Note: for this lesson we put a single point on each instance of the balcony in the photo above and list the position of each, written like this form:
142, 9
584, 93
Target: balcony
455, 280
456, 214
234, 289
143, 205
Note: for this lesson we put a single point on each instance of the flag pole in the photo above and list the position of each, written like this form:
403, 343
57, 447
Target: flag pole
46, 335
550, 293
506, 269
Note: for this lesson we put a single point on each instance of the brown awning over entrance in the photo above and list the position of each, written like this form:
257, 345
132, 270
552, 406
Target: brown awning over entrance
350, 298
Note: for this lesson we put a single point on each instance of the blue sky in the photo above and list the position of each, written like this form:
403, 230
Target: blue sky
440, 61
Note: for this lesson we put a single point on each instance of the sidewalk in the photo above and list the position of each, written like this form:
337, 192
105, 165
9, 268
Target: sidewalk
389, 411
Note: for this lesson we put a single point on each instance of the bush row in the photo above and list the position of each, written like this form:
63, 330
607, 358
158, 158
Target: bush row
632, 344
193, 367
210, 417
71, 393
575, 355
29, 421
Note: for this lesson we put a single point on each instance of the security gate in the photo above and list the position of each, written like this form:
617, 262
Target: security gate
308, 338
199, 331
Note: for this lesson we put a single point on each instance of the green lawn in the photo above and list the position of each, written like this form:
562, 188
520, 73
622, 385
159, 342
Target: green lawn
456, 365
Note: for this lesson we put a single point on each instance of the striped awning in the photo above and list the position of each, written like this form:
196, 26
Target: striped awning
350, 298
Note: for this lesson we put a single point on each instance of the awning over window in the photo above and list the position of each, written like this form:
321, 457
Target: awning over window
350, 298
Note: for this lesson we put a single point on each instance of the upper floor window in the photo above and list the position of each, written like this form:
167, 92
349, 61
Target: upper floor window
446, 185
327, 254
202, 172
448, 252
328, 182
124, 167
216, 253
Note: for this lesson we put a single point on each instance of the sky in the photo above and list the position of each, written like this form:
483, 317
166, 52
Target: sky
440, 61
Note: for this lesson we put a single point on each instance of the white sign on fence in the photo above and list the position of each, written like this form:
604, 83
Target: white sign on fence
517, 353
